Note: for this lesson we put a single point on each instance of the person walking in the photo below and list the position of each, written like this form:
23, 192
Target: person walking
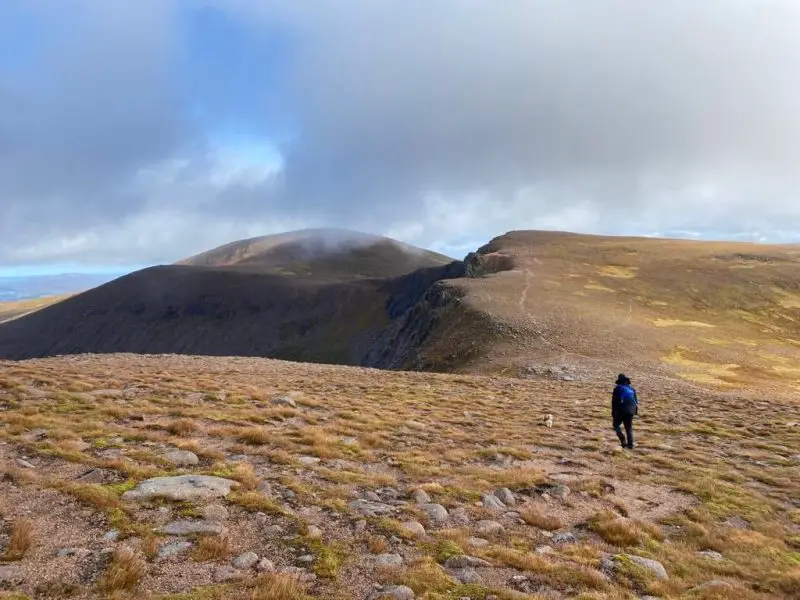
624, 406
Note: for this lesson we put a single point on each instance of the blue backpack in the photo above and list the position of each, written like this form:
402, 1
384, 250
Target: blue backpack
629, 403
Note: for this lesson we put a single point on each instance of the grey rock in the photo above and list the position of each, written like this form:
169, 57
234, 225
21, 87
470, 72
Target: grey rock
76, 552
239, 458
261, 518
737, 523
653, 566
394, 592
360, 526
310, 461
25, 464
181, 488
370, 509
388, 560
489, 528
245, 561
561, 492
388, 492
12, 574
463, 562
111, 536
493, 503
436, 512
711, 554
214, 512
372, 496
284, 401
226, 574
182, 458
459, 516
414, 528
467, 576
543, 550
306, 559
265, 566
171, 549
565, 538
193, 528
506, 497
265, 488
420, 497
95, 476
476, 542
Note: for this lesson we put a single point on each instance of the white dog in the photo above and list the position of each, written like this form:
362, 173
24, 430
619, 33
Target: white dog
548, 421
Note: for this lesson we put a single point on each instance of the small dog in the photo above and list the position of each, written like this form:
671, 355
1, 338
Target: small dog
548, 421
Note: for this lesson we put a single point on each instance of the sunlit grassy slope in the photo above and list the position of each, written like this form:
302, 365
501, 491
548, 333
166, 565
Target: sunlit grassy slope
17, 308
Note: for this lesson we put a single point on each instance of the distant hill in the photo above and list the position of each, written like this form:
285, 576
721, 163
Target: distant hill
315, 295
531, 304
40, 286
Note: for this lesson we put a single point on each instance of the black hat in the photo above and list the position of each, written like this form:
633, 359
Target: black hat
622, 379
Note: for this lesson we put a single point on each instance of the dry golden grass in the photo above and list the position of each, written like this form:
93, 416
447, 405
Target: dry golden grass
124, 572
278, 587
534, 517
20, 541
212, 547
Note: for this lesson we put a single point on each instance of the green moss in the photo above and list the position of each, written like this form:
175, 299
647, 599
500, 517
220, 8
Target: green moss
445, 549
328, 558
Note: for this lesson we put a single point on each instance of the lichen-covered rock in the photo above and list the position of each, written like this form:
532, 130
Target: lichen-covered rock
181, 488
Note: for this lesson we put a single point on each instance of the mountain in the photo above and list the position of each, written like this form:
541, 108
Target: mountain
39, 286
532, 304
315, 295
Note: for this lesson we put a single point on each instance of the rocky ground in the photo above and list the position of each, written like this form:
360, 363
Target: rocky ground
195, 478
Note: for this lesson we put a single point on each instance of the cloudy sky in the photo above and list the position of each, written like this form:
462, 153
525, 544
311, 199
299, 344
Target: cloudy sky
136, 132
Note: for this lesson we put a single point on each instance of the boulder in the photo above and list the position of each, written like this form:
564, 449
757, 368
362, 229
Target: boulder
388, 560
182, 458
654, 567
245, 561
506, 497
171, 549
467, 577
393, 592
493, 503
420, 497
463, 562
181, 488
414, 529
436, 512
370, 509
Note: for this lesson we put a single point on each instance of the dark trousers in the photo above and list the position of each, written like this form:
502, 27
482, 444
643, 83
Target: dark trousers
626, 420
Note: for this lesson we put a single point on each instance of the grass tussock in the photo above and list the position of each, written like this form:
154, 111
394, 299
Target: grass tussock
536, 518
124, 571
621, 531
256, 502
212, 547
20, 541
278, 586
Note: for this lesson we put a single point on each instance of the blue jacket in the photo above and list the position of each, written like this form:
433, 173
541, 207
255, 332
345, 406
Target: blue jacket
619, 407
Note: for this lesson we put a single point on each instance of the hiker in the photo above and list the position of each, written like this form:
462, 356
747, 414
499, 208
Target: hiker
624, 405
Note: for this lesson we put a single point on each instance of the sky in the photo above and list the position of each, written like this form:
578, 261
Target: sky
139, 132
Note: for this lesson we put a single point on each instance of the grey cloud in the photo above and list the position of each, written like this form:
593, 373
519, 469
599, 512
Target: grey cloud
447, 122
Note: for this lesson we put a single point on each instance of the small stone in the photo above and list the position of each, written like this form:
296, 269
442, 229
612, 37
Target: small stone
543, 550
711, 554
226, 574
737, 523
265, 566
436, 512
306, 559
238, 458
25, 464
655, 567
394, 592
314, 533
420, 497
245, 561
284, 401
261, 518
414, 529
388, 560
565, 538
506, 497
265, 488
459, 516
172, 549
214, 512
561, 492
490, 528
467, 576
493, 503
372, 496
310, 461
476, 542
463, 562
388, 492
360, 526
94, 476
193, 528
77, 552
111, 536
370, 509
182, 458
